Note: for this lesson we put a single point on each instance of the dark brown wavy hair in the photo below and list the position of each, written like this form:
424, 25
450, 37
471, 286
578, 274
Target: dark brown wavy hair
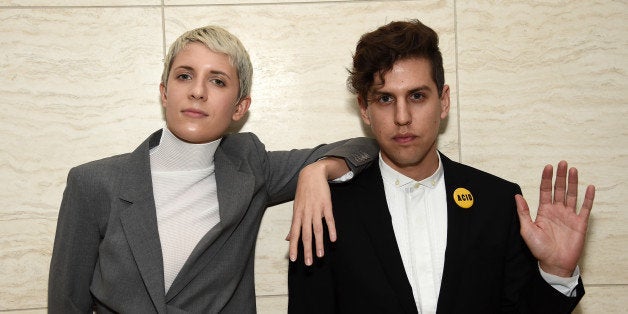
377, 52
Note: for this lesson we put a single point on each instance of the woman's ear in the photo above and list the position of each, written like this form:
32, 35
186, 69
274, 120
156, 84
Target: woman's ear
241, 108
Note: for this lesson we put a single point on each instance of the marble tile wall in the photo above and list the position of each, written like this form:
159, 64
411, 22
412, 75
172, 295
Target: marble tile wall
532, 82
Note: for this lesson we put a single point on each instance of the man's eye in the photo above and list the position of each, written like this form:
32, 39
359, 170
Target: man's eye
416, 96
385, 99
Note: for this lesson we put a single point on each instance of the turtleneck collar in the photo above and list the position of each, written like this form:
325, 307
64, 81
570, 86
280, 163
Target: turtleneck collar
173, 154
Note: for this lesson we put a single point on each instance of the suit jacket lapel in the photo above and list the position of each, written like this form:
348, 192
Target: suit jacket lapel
378, 224
139, 221
234, 190
457, 235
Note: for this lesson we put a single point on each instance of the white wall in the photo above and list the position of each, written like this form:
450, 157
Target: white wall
532, 82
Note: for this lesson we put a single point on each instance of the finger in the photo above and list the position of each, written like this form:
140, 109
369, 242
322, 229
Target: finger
306, 236
587, 205
572, 189
331, 224
560, 184
318, 236
294, 234
524, 214
545, 195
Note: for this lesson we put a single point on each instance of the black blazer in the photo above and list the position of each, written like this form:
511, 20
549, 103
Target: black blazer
488, 268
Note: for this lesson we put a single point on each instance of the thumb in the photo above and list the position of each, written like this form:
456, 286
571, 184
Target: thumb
523, 211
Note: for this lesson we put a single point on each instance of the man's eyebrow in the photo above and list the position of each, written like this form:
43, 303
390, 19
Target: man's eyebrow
421, 88
380, 90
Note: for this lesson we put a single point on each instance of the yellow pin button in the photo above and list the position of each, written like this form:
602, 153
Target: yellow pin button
463, 198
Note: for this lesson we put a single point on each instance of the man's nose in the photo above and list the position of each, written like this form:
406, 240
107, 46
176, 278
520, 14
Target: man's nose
402, 114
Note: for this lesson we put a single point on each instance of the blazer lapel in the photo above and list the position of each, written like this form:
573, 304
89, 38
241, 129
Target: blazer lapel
234, 190
457, 236
378, 224
139, 221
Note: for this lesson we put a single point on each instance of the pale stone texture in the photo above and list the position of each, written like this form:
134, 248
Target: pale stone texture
540, 82
78, 3
604, 299
77, 85
272, 304
532, 83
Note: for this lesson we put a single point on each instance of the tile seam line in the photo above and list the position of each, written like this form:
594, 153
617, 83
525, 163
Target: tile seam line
457, 82
79, 7
185, 5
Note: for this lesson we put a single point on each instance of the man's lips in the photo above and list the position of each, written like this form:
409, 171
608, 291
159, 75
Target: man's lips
194, 113
404, 138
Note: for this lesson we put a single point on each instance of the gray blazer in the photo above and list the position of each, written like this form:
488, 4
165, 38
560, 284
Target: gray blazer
107, 255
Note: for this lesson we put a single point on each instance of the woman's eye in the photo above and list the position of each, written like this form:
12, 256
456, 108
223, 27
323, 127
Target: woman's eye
218, 82
184, 76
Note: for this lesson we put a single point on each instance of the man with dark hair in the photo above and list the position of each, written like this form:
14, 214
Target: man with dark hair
418, 232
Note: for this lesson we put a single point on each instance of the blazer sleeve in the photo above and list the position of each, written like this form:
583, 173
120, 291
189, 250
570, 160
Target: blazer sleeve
283, 167
75, 249
541, 297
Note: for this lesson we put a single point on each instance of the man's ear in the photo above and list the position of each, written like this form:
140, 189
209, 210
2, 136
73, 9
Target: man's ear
444, 102
241, 108
364, 110
162, 92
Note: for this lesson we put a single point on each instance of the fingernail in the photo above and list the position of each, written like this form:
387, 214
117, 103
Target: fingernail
308, 261
293, 258
320, 253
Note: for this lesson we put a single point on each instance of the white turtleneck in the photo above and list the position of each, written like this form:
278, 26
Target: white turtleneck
184, 187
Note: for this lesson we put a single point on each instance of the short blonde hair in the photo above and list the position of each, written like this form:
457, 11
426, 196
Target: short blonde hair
216, 39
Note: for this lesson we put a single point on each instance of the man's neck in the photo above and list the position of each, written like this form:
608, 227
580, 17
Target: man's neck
420, 170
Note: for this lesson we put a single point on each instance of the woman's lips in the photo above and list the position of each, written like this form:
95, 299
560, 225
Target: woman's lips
194, 113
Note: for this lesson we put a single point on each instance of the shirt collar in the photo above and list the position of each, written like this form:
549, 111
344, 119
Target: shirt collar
396, 179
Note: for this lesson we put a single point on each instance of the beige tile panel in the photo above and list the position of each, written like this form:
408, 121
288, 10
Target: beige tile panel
272, 304
77, 3
540, 82
77, 84
604, 299
241, 2
271, 254
26, 311
25, 247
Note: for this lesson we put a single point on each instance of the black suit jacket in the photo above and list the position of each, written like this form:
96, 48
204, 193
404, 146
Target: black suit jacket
488, 268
